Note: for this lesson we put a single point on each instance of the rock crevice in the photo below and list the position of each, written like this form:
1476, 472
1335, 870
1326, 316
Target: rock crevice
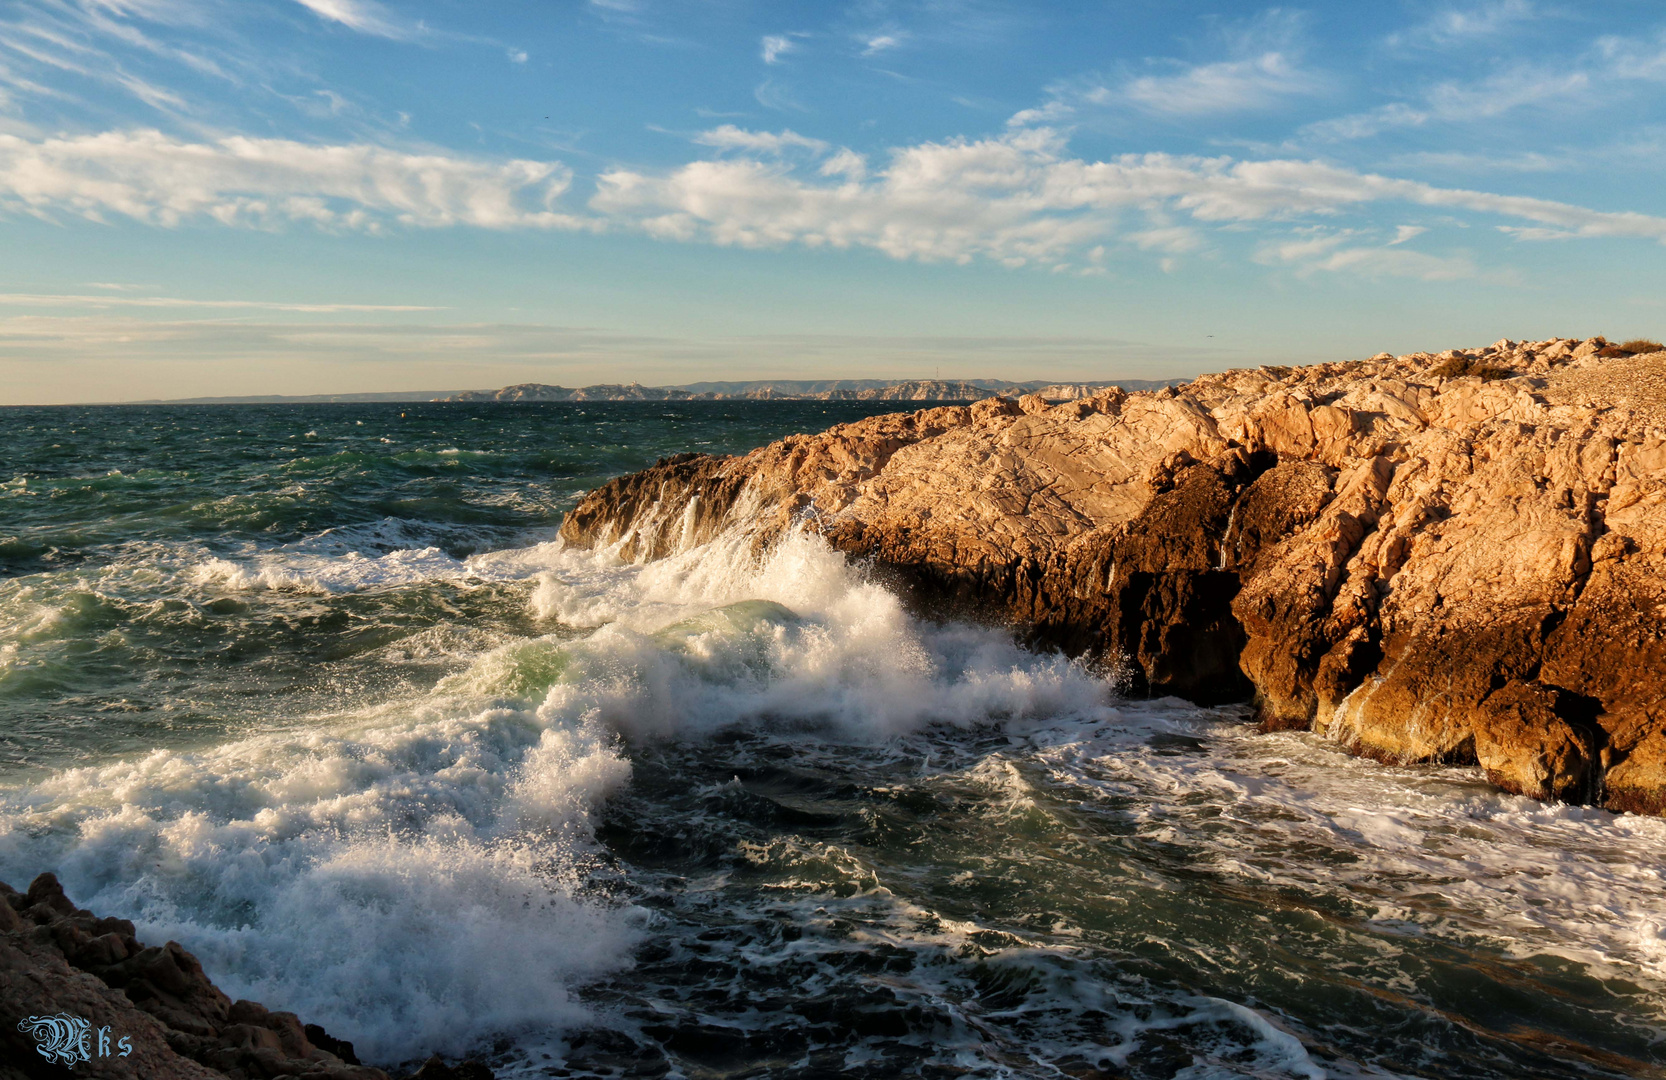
1453, 557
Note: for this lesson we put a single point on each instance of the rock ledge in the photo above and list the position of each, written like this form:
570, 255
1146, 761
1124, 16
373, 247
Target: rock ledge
1455, 557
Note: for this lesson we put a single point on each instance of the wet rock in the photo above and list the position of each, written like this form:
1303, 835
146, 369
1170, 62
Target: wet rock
1539, 741
322, 1039
1457, 557
435, 1068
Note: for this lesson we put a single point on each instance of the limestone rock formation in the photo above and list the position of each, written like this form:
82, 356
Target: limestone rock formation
56, 959
1454, 557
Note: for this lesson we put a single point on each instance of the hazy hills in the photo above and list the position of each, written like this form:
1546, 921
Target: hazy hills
756, 390
806, 390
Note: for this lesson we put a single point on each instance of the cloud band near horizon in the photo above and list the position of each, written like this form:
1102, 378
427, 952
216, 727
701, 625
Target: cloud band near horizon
1018, 198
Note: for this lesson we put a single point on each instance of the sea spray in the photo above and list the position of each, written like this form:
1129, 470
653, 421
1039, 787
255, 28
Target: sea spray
413, 879
801, 638
414, 872
353, 728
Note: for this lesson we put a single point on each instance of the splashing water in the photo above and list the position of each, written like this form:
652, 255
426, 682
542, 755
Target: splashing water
439, 784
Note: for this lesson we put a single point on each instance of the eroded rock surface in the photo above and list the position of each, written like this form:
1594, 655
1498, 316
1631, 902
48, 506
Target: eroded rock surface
1453, 557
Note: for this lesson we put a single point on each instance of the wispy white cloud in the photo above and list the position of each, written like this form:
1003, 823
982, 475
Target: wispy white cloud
238, 180
1018, 199
1350, 251
1465, 24
364, 16
875, 44
1456, 102
161, 12
1059, 107
1232, 86
1503, 92
61, 300
846, 163
773, 95
1641, 57
1169, 239
776, 46
730, 137
56, 48
58, 58
1589, 78
1530, 161
1536, 232
1262, 68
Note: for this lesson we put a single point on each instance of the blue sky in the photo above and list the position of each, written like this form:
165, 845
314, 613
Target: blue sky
307, 196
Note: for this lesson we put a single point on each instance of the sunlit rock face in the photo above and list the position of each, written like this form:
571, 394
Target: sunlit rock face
1454, 557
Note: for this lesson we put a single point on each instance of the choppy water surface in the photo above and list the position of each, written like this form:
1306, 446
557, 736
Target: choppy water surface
313, 690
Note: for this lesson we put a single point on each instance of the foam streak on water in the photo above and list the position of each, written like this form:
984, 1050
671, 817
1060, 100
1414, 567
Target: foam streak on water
735, 813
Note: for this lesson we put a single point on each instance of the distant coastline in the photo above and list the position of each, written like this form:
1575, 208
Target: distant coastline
755, 390
815, 390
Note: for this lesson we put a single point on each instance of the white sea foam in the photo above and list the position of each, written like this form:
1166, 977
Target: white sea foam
410, 881
326, 574
1434, 850
410, 877
414, 876
718, 635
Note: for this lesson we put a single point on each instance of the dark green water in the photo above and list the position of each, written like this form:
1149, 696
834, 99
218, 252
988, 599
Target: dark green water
312, 690
163, 568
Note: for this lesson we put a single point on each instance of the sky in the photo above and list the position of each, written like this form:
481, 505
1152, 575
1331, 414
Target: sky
220, 197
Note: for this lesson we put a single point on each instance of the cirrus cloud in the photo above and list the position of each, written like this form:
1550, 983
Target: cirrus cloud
730, 137
365, 16
775, 46
1230, 86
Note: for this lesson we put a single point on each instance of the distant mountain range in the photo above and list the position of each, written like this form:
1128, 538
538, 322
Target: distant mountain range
758, 390
808, 390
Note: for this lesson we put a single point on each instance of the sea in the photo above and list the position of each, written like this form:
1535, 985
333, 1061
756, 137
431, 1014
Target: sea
317, 691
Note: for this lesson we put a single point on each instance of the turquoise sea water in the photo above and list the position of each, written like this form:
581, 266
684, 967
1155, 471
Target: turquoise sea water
313, 690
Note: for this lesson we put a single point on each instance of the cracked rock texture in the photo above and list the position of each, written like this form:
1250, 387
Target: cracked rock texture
1455, 557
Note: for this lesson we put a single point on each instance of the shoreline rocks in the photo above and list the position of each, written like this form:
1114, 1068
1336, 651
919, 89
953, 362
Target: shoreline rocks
57, 959
1455, 557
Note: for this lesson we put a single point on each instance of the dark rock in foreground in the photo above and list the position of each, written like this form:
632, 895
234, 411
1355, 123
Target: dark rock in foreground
1430, 558
58, 960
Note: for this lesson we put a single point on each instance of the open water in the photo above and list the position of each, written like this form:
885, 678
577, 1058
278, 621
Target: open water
315, 691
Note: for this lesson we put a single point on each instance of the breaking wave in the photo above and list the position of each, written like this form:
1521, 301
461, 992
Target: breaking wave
740, 803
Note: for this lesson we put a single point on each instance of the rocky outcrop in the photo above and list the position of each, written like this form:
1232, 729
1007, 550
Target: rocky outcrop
1455, 557
57, 960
